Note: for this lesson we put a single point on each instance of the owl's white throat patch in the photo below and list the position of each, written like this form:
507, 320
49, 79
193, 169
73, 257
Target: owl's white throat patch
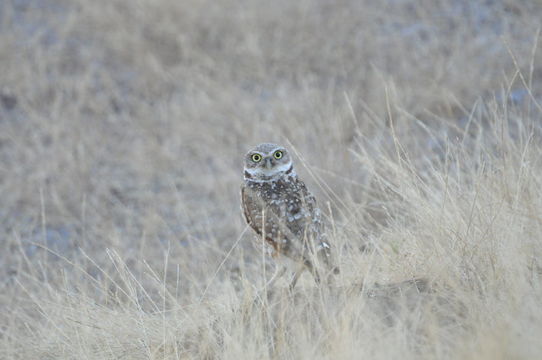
263, 174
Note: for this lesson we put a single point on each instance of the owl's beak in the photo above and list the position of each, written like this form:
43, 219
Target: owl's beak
268, 163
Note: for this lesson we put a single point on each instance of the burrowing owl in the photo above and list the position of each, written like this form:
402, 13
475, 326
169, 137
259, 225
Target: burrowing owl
280, 209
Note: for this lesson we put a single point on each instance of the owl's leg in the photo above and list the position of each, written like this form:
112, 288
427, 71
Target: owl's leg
313, 271
297, 274
277, 275
305, 265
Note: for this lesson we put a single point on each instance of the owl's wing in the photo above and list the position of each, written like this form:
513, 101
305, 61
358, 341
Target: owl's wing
252, 207
244, 207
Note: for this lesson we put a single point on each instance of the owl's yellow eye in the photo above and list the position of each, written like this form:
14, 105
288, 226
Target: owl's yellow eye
278, 154
256, 157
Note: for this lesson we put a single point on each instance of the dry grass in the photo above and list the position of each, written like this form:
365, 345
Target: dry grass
122, 128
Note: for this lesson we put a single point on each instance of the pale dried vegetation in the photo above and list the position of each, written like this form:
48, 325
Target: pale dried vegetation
418, 124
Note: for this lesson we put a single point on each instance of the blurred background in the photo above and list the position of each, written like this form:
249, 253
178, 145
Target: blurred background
132, 118
123, 124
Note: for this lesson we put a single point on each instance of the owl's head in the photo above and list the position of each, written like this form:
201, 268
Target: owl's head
267, 162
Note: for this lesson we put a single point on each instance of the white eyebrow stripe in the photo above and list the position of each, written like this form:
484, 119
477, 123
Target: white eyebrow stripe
275, 149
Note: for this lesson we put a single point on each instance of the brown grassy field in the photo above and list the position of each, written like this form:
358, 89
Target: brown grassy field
123, 125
